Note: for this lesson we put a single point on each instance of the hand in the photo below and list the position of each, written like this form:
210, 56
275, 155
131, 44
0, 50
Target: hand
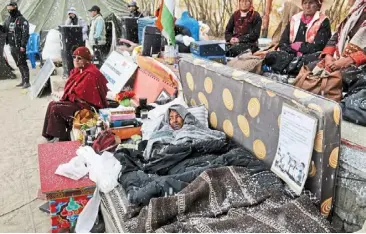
341, 63
296, 46
22, 49
328, 60
234, 40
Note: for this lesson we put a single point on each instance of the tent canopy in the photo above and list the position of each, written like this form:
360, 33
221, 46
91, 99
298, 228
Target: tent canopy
49, 14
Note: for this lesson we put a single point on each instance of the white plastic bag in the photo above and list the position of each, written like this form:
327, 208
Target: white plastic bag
52, 47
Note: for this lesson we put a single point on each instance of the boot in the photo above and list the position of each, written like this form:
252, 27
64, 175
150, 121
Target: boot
21, 84
26, 85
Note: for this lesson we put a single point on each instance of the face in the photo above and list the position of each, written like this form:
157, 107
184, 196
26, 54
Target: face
175, 121
79, 62
310, 7
11, 8
72, 15
93, 13
244, 5
132, 8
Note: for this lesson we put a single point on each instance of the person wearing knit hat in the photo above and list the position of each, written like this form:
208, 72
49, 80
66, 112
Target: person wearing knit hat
85, 88
74, 19
134, 10
243, 29
83, 52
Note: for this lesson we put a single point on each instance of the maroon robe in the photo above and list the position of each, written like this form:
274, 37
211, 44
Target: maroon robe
88, 86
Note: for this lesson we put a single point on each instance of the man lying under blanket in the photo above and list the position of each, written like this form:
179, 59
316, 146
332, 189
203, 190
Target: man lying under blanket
178, 152
221, 186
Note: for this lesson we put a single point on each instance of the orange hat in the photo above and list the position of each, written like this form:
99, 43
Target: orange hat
83, 52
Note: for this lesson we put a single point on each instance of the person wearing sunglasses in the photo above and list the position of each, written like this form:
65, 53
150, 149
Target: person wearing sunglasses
85, 88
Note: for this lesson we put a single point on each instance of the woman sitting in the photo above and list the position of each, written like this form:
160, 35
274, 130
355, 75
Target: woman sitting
86, 87
305, 37
243, 30
347, 45
345, 54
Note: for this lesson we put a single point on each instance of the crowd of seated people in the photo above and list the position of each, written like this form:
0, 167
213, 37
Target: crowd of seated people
306, 38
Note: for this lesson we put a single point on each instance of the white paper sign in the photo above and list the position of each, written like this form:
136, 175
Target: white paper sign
41, 79
295, 148
118, 69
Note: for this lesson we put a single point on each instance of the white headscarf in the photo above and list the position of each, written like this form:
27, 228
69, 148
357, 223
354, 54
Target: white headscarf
354, 14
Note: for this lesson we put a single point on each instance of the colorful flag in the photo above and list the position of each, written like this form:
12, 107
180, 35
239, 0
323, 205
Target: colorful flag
166, 20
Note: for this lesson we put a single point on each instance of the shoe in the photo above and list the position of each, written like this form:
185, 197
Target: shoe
54, 140
26, 85
20, 85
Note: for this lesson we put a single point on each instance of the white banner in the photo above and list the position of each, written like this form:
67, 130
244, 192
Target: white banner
118, 69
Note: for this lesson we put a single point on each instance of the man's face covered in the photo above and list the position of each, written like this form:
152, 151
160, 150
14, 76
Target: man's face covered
12, 10
175, 120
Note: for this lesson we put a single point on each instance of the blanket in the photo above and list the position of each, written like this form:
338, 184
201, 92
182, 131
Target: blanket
178, 165
192, 131
225, 199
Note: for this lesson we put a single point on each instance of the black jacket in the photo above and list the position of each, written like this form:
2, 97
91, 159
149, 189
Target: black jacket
323, 35
17, 30
253, 29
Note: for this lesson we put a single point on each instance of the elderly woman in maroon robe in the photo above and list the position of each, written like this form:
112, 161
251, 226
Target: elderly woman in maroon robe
243, 29
86, 87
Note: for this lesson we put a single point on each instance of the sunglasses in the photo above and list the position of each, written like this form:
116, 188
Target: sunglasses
78, 58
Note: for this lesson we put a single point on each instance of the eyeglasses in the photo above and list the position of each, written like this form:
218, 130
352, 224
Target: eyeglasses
78, 58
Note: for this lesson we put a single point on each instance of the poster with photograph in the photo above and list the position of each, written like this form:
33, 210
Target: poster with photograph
295, 147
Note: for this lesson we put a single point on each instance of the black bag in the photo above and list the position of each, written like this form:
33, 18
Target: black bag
354, 108
294, 66
278, 61
350, 76
298, 62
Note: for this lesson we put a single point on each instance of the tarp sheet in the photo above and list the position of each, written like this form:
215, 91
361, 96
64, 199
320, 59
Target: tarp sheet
48, 14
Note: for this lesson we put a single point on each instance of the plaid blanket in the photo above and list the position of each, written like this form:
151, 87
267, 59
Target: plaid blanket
226, 199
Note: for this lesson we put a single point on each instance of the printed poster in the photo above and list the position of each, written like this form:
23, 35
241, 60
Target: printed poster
118, 69
295, 148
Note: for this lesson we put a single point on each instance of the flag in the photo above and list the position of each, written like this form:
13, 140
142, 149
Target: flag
166, 20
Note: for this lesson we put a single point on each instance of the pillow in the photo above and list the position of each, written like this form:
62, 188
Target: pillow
162, 109
201, 113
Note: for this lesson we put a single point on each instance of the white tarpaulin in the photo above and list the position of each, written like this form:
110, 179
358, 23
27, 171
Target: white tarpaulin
48, 14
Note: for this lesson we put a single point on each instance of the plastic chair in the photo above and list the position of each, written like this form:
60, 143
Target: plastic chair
33, 48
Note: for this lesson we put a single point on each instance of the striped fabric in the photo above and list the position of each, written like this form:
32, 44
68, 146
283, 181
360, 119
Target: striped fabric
201, 113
